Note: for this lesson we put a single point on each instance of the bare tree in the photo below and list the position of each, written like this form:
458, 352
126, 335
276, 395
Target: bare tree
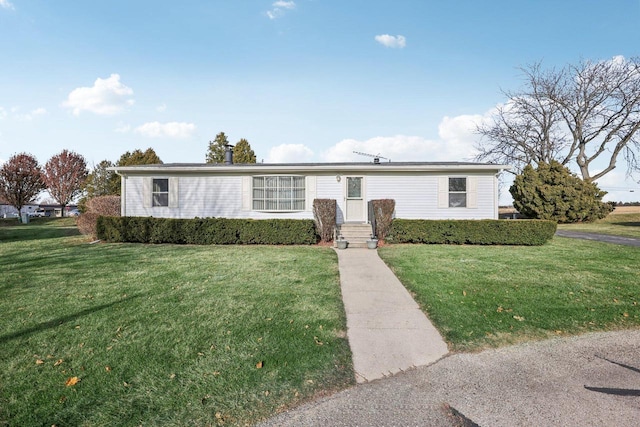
20, 180
64, 176
579, 114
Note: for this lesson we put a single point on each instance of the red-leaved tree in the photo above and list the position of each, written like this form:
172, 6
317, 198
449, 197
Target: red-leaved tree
64, 176
20, 180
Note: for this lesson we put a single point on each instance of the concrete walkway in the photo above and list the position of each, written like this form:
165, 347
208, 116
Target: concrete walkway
387, 331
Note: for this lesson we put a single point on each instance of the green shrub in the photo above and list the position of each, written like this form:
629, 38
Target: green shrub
207, 231
324, 214
552, 192
472, 232
383, 216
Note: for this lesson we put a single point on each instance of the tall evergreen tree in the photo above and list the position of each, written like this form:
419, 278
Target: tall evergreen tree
100, 181
242, 152
136, 157
215, 153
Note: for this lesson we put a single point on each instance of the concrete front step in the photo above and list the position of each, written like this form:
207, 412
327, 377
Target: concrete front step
356, 234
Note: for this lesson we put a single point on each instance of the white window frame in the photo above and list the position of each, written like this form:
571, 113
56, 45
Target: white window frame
471, 192
263, 202
148, 193
464, 192
156, 202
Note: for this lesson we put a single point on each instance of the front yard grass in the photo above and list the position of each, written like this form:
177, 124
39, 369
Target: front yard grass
120, 334
489, 296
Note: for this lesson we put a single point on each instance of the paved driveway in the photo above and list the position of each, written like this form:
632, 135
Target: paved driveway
592, 379
618, 240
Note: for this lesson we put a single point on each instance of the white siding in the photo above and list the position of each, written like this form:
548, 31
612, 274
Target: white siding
203, 197
416, 196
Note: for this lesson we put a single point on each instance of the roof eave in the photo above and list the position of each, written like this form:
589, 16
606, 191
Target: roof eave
302, 168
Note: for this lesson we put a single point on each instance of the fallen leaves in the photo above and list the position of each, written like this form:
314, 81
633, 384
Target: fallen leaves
259, 365
72, 381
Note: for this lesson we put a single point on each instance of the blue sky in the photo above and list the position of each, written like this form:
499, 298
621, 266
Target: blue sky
303, 80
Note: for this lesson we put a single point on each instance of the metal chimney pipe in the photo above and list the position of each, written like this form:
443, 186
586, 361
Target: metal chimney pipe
228, 154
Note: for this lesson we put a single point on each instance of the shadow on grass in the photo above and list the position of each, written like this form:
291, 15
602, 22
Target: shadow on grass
50, 324
26, 232
627, 224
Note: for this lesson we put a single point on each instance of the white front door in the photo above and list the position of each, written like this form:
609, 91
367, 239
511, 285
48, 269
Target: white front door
354, 199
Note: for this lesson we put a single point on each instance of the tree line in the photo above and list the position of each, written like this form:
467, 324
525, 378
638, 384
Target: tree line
66, 176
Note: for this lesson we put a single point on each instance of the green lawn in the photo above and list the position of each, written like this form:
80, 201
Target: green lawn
627, 225
163, 335
485, 296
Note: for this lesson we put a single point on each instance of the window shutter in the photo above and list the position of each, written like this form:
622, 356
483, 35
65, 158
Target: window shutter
146, 192
443, 192
311, 192
173, 192
472, 192
246, 193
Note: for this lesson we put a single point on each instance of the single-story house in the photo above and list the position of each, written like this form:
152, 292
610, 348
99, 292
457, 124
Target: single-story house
421, 190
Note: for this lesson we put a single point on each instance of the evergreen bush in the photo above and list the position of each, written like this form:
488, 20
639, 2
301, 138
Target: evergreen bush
553, 193
472, 232
207, 231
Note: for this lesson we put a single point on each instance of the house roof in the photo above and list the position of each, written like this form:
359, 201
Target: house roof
309, 167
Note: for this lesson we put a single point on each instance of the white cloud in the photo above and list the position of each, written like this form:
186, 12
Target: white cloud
391, 41
161, 108
122, 128
290, 153
17, 115
177, 130
285, 4
6, 4
279, 7
106, 97
401, 148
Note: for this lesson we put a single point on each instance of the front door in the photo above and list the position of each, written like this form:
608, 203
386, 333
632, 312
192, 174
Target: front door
354, 200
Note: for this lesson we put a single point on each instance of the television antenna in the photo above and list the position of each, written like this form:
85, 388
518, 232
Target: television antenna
376, 157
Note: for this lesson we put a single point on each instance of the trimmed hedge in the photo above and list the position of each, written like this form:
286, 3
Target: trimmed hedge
207, 231
472, 232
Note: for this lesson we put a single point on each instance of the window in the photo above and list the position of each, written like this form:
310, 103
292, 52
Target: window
457, 192
160, 192
279, 193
